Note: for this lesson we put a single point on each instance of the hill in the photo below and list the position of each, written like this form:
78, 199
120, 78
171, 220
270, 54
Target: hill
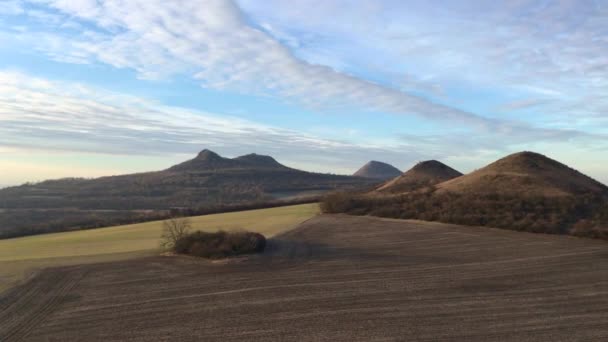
206, 180
378, 170
523, 191
525, 174
423, 174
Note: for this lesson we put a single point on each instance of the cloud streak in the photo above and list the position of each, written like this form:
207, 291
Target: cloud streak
224, 48
215, 44
37, 113
552, 50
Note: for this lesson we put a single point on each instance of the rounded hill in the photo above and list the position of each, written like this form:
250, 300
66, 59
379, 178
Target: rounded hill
378, 170
526, 173
205, 160
423, 174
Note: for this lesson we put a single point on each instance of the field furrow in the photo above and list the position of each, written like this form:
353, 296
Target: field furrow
336, 278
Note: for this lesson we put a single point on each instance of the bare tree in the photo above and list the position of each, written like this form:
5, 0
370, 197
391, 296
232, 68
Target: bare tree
173, 230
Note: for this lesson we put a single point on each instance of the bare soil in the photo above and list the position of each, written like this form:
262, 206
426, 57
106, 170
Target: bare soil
333, 278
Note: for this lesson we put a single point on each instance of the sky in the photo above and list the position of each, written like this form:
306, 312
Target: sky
102, 87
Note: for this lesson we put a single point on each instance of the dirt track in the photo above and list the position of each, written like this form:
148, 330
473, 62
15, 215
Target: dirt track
334, 278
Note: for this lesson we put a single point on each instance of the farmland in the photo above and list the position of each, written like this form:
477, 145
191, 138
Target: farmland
22, 256
334, 277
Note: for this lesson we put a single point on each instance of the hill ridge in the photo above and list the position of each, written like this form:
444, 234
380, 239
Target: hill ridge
260, 160
208, 160
207, 180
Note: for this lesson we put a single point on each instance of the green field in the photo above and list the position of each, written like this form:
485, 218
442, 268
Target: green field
22, 256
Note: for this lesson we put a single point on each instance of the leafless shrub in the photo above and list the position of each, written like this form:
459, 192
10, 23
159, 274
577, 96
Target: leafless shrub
173, 230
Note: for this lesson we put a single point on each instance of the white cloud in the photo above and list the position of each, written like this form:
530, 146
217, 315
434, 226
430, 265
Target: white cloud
219, 45
215, 44
549, 49
11, 7
42, 114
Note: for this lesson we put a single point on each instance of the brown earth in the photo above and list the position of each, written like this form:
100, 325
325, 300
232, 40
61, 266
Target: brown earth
333, 278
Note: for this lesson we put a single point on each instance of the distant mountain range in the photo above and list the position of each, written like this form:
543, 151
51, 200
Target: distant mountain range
207, 179
208, 160
523, 191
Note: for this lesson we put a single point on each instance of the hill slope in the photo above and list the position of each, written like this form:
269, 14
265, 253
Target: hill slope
423, 174
524, 191
207, 180
525, 174
378, 170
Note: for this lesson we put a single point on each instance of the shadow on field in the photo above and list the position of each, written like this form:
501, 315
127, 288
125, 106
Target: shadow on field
297, 250
294, 250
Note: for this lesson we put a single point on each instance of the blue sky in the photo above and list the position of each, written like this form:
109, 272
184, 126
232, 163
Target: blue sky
99, 87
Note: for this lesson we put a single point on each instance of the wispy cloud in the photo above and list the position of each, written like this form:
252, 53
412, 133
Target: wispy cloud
555, 50
214, 43
11, 7
42, 114
522, 104
217, 44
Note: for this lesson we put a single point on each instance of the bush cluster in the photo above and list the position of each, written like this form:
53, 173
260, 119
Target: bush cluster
220, 244
583, 215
